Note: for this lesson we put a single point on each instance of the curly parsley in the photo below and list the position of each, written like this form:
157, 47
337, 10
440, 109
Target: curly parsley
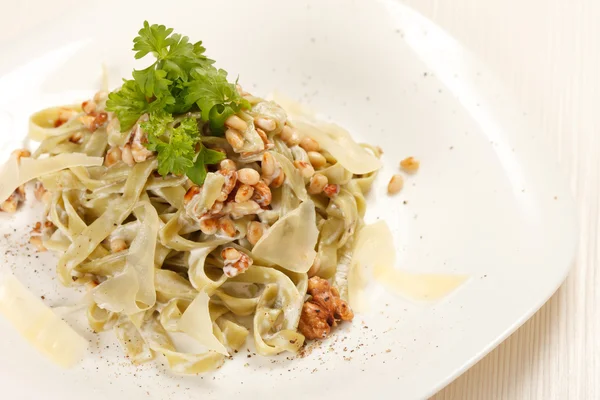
180, 80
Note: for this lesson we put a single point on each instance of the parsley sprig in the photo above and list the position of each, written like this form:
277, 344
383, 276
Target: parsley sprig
180, 80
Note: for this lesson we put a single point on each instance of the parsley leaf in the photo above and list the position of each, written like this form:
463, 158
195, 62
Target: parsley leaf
181, 79
129, 103
152, 81
152, 39
176, 146
214, 95
197, 173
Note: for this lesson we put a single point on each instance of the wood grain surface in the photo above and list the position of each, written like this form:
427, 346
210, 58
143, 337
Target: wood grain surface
548, 52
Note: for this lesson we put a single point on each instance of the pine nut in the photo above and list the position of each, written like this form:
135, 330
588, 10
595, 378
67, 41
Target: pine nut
234, 138
268, 165
263, 136
396, 184
248, 176
262, 194
244, 193
317, 183
305, 168
39, 191
309, 144
317, 159
226, 227
126, 155
331, 190
237, 123
117, 245
227, 165
229, 185
279, 178
139, 152
255, 232
230, 254
20, 153
290, 137
191, 192
209, 226
88, 107
77, 137
410, 164
113, 155
286, 133
37, 242
266, 124
100, 96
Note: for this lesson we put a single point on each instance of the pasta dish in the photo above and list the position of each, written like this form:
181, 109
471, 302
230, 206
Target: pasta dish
183, 204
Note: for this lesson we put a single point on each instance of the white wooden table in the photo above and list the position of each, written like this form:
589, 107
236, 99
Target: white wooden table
548, 52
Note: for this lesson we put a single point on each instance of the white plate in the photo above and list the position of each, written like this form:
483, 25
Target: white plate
488, 200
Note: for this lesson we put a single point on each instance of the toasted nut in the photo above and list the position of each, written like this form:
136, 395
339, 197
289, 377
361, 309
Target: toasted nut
88, 106
396, 184
209, 226
267, 165
191, 192
266, 124
39, 190
234, 262
248, 176
237, 123
37, 228
230, 254
235, 139
290, 137
64, 114
317, 159
227, 165
11, 204
227, 227
77, 137
410, 164
244, 193
278, 179
317, 183
113, 155
100, 96
229, 185
113, 127
139, 152
263, 136
37, 242
238, 210
309, 144
254, 232
216, 208
331, 190
305, 168
117, 245
100, 120
126, 155
262, 194
286, 133
314, 269
323, 310
20, 153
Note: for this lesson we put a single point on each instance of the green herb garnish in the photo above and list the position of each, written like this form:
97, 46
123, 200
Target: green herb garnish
181, 80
